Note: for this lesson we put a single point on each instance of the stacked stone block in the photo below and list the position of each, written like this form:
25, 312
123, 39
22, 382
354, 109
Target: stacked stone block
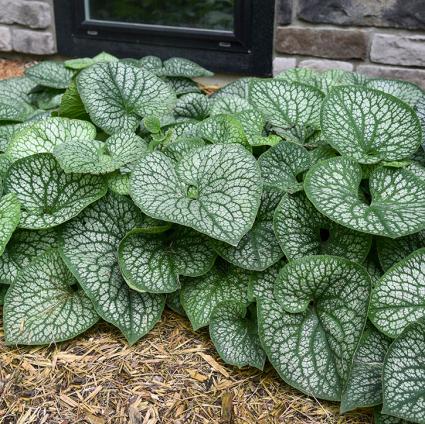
27, 26
379, 38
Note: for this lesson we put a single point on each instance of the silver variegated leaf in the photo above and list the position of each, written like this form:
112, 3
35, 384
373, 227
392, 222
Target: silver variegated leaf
258, 248
399, 297
311, 330
404, 375
98, 157
44, 135
222, 129
301, 231
364, 386
193, 105
117, 96
182, 86
369, 125
229, 104
215, 190
153, 262
90, 245
10, 214
50, 74
396, 208
199, 296
180, 67
233, 331
48, 195
44, 305
282, 164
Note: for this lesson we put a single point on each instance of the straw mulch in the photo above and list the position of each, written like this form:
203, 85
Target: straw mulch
173, 375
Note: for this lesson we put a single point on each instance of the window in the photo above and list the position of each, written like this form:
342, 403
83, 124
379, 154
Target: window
222, 35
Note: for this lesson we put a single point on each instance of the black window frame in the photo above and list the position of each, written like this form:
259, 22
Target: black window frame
248, 50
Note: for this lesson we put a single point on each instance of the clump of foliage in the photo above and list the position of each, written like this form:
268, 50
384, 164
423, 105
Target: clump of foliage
286, 214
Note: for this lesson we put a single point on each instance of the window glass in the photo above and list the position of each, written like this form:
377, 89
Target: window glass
205, 14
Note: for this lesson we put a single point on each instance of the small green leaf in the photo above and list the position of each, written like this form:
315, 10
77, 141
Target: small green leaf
48, 195
399, 297
364, 386
50, 74
10, 214
193, 105
396, 208
215, 190
222, 129
179, 67
301, 231
291, 107
199, 296
97, 157
44, 135
45, 306
311, 331
89, 248
391, 251
233, 331
23, 247
119, 182
258, 249
404, 375
282, 164
153, 263
71, 105
117, 96
152, 124
369, 125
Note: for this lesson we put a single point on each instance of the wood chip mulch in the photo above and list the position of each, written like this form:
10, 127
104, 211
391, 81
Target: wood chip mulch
171, 376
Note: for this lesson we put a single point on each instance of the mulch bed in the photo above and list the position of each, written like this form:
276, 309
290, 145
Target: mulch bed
173, 375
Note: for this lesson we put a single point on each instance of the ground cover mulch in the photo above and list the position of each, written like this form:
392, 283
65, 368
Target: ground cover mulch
173, 375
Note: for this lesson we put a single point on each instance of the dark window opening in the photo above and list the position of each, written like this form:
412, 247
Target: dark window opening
222, 35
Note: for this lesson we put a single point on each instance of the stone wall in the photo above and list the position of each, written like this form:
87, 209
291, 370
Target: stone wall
374, 37
27, 26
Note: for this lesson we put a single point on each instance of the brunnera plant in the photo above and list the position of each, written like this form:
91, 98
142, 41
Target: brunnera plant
286, 215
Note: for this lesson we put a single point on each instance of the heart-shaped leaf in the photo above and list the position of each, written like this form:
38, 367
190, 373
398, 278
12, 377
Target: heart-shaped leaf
405, 91
399, 297
258, 248
23, 247
179, 67
301, 231
193, 105
199, 296
50, 74
17, 89
45, 306
369, 125
311, 331
222, 129
97, 157
396, 208
364, 386
90, 245
48, 195
10, 214
404, 375
215, 190
391, 251
229, 104
153, 262
233, 331
292, 108
282, 164
44, 135
117, 96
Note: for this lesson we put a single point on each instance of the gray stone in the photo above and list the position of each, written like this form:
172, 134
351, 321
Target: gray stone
326, 65
281, 64
284, 12
33, 14
408, 14
416, 76
406, 50
34, 42
5, 39
322, 42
